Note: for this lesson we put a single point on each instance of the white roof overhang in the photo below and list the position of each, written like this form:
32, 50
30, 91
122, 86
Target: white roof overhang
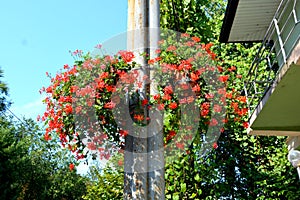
247, 20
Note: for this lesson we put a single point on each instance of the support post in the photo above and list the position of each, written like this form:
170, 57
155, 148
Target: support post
142, 36
156, 179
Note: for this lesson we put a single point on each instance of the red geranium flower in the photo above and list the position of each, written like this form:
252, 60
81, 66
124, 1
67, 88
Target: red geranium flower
239, 76
194, 76
185, 35
123, 132
91, 146
47, 136
109, 105
161, 106
167, 97
185, 64
156, 97
245, 124
180, 145
144, 102
196, 39
232, 68
127, 56
242, 99
171, 48
170, 135
173, 105
71, 166
215, 145
168, 89
139, 117
205, 106
196, 88
68, 108
213, 122
120, 162
223, 78
217, 108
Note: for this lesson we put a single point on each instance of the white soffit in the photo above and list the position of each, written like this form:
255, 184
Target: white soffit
252, 20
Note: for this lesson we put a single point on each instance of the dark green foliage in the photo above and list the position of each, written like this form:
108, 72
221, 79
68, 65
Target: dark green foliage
106, 184
197, 17
3, 94
32, 168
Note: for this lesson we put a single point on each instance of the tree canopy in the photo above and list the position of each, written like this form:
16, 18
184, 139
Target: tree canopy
30, 167
3, 93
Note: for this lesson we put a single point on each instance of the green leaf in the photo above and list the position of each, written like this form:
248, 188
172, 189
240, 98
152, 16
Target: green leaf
193, 195
182, 187
175, 197
197, 178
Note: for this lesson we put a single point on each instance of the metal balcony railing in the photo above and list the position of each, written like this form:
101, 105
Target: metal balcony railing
279, 41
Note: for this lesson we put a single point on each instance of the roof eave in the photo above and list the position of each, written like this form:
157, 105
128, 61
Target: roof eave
228, 20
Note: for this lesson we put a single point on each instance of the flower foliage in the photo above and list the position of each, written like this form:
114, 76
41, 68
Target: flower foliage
192, 93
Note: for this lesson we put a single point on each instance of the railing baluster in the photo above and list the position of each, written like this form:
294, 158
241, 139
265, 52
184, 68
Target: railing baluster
280, 39
270, 52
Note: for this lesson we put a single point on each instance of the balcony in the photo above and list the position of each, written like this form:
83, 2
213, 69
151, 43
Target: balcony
272, 86
273, 82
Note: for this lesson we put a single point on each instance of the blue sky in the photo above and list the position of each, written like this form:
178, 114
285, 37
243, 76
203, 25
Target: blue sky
36, 37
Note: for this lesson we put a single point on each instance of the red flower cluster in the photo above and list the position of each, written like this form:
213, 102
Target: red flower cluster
184, 80
173, 105
170, 135
127, 56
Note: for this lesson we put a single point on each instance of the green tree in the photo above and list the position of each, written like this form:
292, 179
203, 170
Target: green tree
105, 183
199, 18
32, 168
3, 93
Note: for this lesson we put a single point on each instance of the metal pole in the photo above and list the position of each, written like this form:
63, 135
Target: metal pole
156, 181
135, 183
143, 35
